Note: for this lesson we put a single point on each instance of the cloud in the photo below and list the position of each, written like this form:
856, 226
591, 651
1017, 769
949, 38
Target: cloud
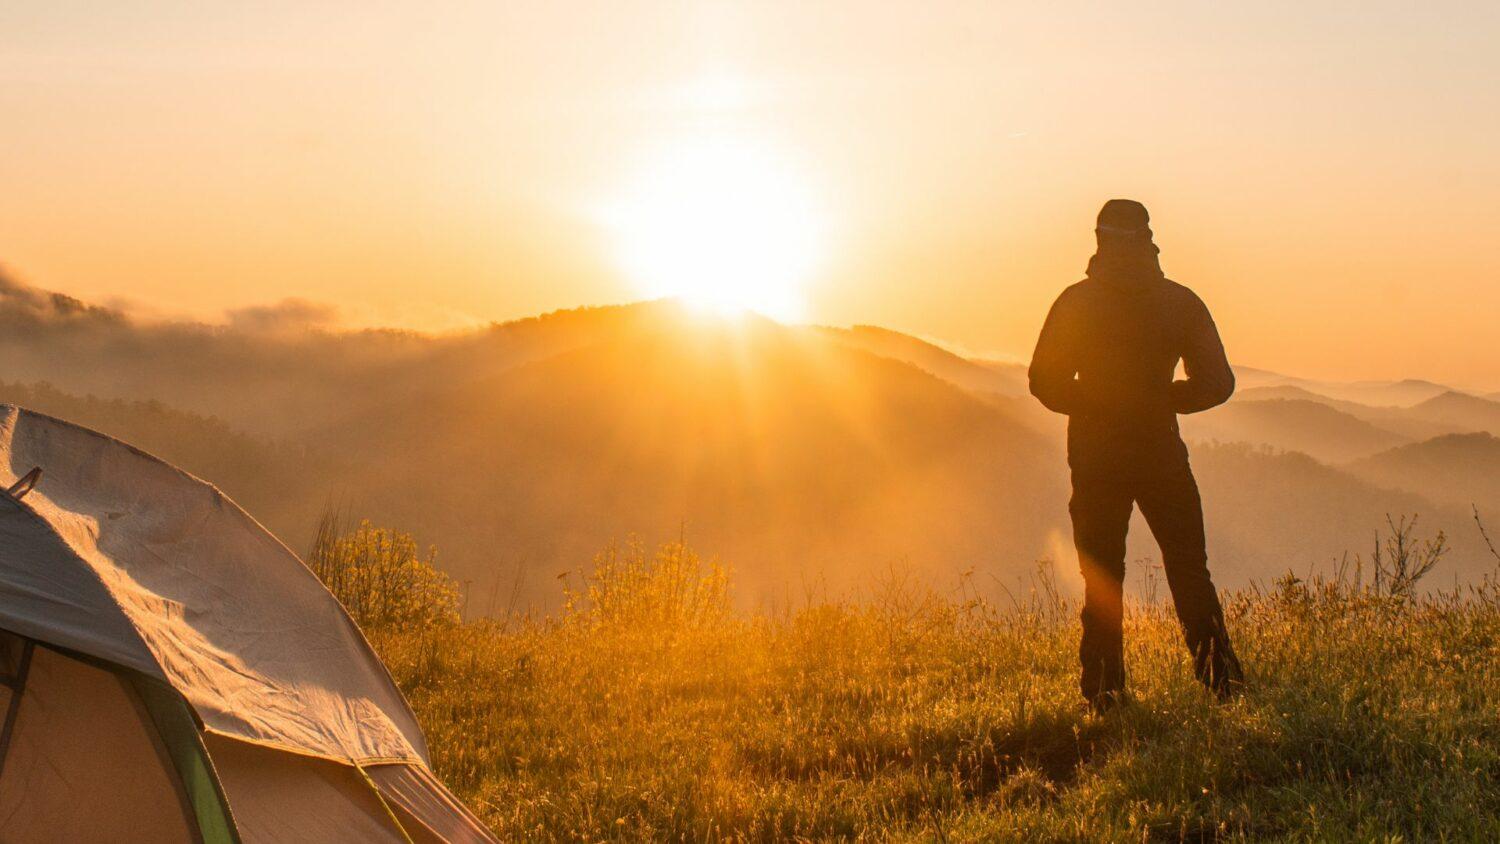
23, 306
289, 316
272, 368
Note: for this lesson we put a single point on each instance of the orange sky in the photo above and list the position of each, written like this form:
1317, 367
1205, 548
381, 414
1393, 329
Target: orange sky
1323, 174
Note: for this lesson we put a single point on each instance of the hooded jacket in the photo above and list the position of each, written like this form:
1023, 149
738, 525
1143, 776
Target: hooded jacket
1110, 346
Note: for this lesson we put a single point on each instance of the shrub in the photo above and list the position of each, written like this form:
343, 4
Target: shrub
672, 588
381, 578
1401, 560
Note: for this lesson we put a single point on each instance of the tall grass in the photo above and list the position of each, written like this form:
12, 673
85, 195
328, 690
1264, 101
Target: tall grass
647, 709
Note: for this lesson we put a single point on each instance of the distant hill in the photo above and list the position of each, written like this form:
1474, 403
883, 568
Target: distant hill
267, 379
1422, 421
1269, 513
1294, 393
810, 458
1001, 384
1403, 393
1477, 413
1249, 377
1457, 468
1000, 379
1301, 425
807, 458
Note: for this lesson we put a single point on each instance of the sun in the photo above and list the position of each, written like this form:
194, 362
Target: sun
724, 225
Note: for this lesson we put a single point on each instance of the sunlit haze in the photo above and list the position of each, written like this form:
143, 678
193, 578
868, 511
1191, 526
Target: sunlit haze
1322, 174
721, 224
667, 420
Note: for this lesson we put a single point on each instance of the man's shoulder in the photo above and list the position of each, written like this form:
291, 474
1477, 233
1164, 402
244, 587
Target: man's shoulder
1182, 295
1076, 291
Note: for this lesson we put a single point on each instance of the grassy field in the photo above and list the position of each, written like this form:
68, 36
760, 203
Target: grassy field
648, 709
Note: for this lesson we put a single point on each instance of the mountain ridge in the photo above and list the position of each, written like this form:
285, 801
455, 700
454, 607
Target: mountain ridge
808, 454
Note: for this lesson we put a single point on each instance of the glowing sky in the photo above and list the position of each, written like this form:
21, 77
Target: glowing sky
1324, 174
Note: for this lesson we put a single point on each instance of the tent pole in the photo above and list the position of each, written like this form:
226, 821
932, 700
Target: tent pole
17, 686
405, 836
179, 731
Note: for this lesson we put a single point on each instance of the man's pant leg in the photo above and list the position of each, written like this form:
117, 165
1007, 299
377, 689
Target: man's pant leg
1168, 498
1100, 509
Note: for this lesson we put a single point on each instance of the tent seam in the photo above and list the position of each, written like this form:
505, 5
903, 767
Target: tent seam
342, 760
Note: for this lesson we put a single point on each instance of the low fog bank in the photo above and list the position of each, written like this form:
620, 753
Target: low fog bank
808, 459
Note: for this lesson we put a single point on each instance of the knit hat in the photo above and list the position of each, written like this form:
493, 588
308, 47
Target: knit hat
1126, 251
1124, 216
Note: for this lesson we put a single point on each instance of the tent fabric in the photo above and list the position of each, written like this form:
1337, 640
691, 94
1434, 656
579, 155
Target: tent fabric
83, 764
158, 607
282, 796
44, 596
414, 791
285, 797
119, 555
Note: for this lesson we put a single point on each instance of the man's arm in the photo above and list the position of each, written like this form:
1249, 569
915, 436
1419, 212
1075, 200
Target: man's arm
1053, 364
1210, 381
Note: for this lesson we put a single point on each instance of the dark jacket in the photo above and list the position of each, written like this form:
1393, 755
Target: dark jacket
1108, 352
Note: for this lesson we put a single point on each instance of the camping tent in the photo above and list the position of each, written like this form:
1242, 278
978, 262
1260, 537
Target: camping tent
169, 671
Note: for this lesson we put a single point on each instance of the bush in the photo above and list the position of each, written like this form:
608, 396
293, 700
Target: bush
673, 588
380, 577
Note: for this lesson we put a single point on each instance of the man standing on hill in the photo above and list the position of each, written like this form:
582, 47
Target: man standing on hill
1106, 358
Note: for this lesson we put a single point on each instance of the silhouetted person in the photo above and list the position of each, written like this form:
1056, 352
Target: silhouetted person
1106, 358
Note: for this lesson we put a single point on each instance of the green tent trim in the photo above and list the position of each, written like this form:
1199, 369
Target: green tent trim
176, 726
179, 731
